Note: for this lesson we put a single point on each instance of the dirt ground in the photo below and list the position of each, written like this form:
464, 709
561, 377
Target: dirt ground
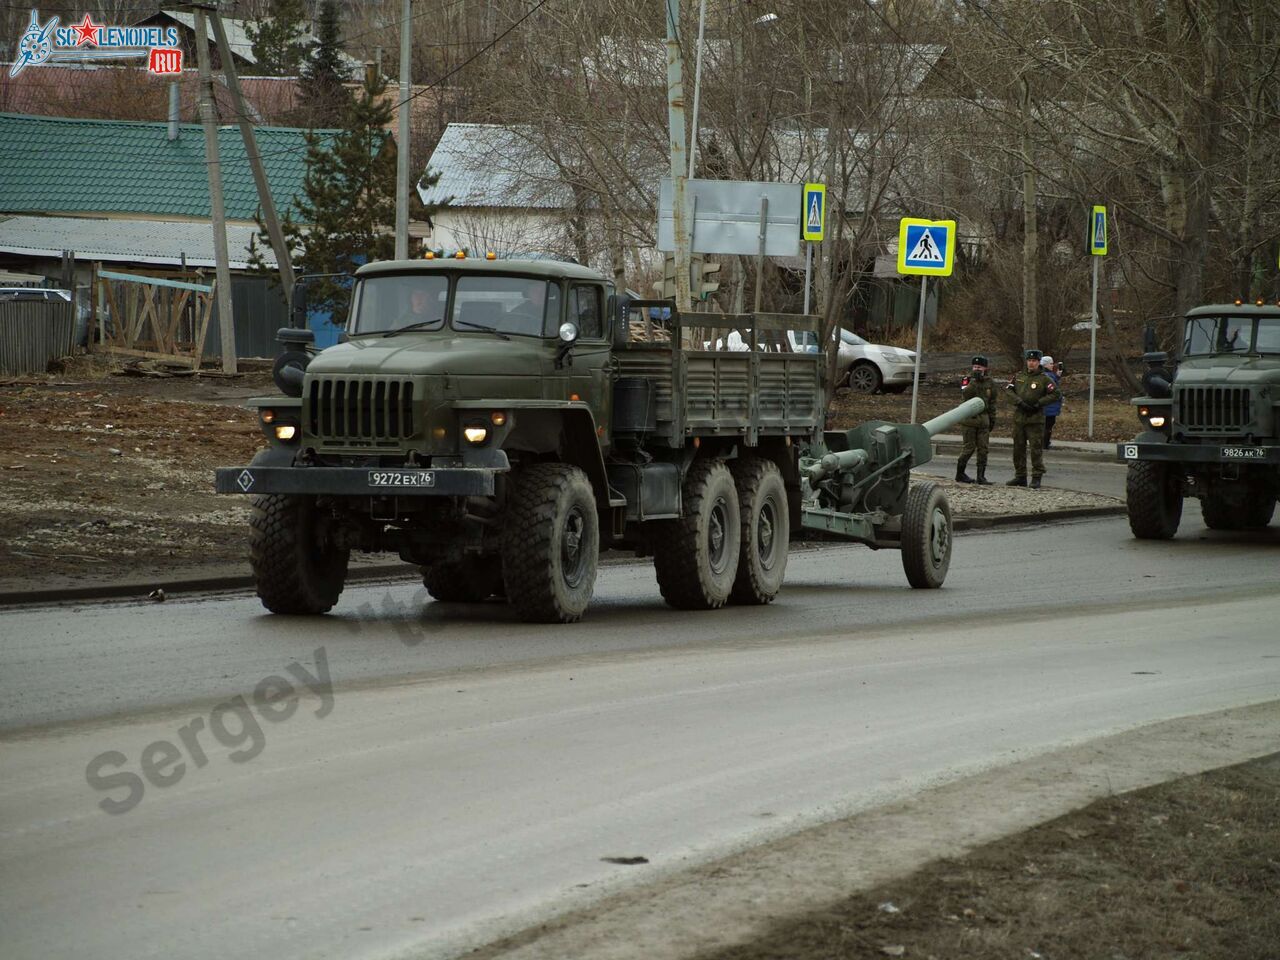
1187, 870
110, 476
1114, 419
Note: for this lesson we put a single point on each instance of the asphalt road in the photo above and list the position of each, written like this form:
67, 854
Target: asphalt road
448, 775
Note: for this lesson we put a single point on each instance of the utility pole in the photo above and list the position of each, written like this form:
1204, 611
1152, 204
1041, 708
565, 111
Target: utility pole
222, 269
283, 260
402, 146
1030, 325
676, 127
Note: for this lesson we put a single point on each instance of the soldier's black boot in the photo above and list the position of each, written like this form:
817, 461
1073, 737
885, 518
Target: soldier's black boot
1016, 482
982, 475
961, 476
1035, 483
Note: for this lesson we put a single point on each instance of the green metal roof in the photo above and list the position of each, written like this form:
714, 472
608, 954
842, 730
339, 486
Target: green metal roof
56, 165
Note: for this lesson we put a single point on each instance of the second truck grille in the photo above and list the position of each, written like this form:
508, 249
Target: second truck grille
346, 408
1214, 409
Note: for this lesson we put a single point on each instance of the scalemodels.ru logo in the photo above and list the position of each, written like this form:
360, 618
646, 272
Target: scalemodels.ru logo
97, 41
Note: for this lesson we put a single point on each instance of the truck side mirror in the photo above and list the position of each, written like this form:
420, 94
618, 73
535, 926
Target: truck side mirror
298, 305
620, 317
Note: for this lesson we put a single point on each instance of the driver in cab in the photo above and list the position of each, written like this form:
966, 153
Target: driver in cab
419, 312
526, 316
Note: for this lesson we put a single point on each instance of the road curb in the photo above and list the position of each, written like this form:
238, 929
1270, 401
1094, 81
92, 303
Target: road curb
138, 590
1021, 519
1059, 451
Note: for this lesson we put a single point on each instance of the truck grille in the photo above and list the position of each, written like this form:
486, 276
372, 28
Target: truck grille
1214, 409
371, 409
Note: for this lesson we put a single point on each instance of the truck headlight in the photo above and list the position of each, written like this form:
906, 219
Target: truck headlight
1156, 421
286, 431
476, 433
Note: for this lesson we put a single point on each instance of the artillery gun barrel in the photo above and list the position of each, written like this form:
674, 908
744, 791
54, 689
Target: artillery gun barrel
944, 421
834, 463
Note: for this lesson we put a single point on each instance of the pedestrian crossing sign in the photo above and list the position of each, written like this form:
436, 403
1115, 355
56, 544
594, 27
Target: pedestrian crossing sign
926, 247
815, 210
1098, 232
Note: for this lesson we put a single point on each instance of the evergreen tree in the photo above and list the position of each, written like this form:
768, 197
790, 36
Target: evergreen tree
347, 212
323, 99
279, 41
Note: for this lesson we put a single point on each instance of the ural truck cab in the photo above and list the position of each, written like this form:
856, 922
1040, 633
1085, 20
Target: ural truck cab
1211, 425
500, 422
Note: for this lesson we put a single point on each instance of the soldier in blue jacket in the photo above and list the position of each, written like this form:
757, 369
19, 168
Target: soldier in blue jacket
1051, 412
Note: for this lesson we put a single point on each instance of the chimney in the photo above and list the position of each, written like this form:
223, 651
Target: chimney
173, 111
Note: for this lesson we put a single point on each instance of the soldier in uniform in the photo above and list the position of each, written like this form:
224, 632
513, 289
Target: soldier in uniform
1031, 390
977, 429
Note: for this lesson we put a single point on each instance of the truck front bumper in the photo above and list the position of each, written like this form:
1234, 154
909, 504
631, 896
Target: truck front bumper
1197, 453
357, 481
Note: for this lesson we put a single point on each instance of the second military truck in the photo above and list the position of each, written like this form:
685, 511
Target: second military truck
1211, 425
500, 422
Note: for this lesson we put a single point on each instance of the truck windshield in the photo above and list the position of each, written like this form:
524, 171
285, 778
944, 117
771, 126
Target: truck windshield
520, 305
391, 302
1268, 336
1218, 334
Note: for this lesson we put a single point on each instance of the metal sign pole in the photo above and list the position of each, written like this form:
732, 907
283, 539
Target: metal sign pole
915, 384
808, 273
1093, 342
764, 219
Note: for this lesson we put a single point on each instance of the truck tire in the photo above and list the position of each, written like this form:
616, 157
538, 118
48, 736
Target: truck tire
1259, 511
465, 581
1254, 515
551, 544
927, 536
766, 531
1218, 514
297, 570
1154, 501
696, 557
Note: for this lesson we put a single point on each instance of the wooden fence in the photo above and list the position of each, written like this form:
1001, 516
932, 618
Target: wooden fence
146, 316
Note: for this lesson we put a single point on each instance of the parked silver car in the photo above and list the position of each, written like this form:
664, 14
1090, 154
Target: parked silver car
867, 367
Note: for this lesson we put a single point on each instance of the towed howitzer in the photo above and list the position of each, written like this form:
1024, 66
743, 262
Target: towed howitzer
856, 485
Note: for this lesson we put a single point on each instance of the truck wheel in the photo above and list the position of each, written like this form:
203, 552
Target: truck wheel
465, 581
926, 536
766, 531
1154, 500
297, 567
1259, 511
696, 557
1218, 515
551, 544
1254, 515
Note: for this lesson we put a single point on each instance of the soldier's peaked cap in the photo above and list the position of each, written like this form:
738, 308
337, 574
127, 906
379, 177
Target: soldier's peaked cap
980, 361
1032, 355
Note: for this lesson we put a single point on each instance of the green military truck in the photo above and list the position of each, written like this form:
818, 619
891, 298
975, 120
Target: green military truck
500, 422
1211, 425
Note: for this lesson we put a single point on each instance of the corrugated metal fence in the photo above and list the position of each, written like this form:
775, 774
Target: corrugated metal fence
260, 311
33, 333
